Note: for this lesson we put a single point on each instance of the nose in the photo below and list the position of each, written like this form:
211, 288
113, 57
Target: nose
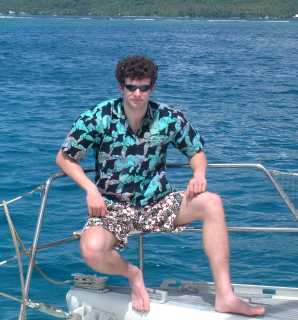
137, 92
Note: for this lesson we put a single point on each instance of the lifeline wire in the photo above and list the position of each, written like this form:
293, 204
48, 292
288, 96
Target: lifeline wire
17, 239
39, 188
16, 245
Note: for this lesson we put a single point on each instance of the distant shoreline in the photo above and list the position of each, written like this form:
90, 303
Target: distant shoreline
146, 18
198, 9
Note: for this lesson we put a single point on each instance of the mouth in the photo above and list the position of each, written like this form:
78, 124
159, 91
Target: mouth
137, 100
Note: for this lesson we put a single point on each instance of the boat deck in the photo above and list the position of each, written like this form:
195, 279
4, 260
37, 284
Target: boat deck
189, 301
277, 309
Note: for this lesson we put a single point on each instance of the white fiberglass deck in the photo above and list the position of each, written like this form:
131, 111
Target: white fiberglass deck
190, 302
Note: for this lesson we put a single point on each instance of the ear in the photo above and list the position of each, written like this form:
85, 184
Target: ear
121, 87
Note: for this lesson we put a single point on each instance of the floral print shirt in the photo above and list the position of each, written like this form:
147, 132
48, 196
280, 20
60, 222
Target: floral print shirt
130, 166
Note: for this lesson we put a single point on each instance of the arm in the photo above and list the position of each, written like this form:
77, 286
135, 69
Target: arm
198, 184
95, 202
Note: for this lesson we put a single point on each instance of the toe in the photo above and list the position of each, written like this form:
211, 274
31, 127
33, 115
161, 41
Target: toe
259, 311
136, 306
147, 307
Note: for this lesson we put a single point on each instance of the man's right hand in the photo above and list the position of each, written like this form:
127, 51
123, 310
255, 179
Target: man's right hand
95, 203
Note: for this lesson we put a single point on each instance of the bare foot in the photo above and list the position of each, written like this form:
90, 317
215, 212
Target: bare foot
236, 305
139, 295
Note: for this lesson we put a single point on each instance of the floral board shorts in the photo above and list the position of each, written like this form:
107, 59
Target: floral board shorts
122, 218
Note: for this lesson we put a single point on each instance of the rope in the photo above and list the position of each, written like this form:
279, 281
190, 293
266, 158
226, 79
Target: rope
49, 279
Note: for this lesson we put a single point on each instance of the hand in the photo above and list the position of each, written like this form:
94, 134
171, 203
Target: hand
196, 185
95, 203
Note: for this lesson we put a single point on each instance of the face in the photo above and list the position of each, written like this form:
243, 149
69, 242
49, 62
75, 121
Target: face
136, 93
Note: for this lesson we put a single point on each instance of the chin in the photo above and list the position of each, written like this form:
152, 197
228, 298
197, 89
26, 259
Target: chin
138, 105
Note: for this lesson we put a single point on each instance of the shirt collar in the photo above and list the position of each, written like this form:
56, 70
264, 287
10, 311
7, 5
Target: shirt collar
149, 112
119, 110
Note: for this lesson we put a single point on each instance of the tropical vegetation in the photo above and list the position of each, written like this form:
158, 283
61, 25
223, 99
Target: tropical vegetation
182, 8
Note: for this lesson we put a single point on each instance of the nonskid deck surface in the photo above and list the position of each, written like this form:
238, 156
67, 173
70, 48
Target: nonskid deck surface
277, 309
191, 302
281, 303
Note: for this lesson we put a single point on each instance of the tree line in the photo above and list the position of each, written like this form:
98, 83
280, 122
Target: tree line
163, 8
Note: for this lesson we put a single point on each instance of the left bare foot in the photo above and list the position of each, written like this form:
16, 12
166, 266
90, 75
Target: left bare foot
139, 294
236, 305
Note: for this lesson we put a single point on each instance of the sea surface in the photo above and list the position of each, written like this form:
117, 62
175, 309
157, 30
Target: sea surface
235, 80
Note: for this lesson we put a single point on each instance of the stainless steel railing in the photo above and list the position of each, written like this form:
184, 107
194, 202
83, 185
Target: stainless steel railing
45, 192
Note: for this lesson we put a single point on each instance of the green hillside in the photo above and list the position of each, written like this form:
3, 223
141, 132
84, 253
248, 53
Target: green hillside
192, 8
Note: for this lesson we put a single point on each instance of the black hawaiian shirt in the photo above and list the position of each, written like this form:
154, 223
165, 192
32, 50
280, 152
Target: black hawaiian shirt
131, 166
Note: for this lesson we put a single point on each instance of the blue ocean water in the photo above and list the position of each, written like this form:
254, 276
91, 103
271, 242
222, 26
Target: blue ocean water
236, 81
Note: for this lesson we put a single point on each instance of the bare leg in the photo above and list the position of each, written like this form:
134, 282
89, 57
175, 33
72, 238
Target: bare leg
97, 249
208, 208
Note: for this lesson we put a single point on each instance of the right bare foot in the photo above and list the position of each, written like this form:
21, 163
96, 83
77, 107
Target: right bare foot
139, 295
233, 304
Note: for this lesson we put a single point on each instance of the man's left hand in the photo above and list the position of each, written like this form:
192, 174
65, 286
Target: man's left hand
196, 185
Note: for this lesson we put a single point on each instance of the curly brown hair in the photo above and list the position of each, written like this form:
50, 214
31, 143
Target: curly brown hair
136, 67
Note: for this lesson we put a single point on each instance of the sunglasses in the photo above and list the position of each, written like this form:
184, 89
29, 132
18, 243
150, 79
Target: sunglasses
132, 88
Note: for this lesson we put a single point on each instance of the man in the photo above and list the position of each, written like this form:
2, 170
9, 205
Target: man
130, 136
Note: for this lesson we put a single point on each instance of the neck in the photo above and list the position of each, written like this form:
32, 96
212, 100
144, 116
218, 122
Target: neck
135, 117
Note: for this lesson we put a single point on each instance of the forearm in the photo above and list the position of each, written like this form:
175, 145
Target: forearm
95, 201
198, 164
75, 172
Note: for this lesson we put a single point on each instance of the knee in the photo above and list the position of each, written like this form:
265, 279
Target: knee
214, 200
211, 205
92, 249
214, 206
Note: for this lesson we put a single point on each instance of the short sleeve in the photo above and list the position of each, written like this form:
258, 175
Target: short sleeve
186, 139
86, 132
